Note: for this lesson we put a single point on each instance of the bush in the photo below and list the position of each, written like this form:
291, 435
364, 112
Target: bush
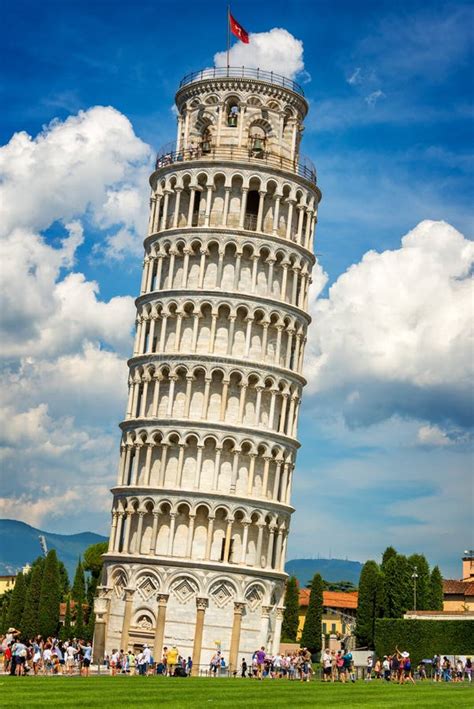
424, 638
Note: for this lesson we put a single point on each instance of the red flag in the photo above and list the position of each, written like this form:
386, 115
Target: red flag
238, 30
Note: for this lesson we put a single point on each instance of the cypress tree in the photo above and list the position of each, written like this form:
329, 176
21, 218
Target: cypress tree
48, 611
5, 599
369, 604
89, 628
29, 621
79, 620
397, 591
436, 590
64, 580
423, 593
78, 591
312, 630
66, 630
17, 602
289, 628
388, 554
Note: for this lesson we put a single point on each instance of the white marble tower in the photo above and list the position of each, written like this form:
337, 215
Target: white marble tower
201, 509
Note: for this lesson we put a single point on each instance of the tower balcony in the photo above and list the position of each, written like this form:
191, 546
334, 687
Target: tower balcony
258, 157
241, 72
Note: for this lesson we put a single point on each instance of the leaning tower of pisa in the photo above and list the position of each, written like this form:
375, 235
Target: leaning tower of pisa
201, 510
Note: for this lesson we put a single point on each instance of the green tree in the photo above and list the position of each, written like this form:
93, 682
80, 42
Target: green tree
339, 586
93, 564
78, 591
51, 592
369, 604
397, 587
5, 600
93, 561
66, 630
289, 628
17, 602
388, 554
89, 628
29, 620
436, 590
78, 619
64, 580
312, 630
418, 562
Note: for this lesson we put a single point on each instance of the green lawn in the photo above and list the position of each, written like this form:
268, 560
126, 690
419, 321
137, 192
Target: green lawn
185, 693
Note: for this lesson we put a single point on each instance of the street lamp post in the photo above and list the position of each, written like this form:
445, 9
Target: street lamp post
414, 577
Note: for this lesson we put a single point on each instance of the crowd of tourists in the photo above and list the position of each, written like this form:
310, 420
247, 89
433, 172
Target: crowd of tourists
47, 656
52, 656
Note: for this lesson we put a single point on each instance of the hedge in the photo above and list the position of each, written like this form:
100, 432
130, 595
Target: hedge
424, 638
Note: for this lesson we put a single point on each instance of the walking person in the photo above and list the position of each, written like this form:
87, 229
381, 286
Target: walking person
260, 657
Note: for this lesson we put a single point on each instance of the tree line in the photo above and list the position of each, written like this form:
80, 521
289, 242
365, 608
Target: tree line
33, 605
386, 590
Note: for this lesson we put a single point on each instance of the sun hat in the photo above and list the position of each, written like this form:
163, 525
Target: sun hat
405, 654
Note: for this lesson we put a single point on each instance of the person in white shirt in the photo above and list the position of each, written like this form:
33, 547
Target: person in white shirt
70, 658
327, 666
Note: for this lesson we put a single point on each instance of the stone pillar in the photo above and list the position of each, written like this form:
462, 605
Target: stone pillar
235, 637
264, 626
101, 608
162, 599
210, 532
277, 630
228, 537
171, 536
201, 605
127, 617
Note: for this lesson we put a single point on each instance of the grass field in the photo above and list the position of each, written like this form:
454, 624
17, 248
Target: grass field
185, 693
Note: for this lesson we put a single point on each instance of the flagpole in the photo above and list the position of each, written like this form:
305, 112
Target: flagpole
228, 37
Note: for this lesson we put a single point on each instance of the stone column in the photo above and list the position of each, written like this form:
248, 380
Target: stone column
189, 540
264, 625
171, 536
156, 391
191, 206
201, 605
243, 206
154, 532
289, 223
207, 215
277, 630
228, 537
235, 637
245, 536
210, 532
261, 204
162, 599
178, 191
138, 542
217, 462
101, 608
258, 554
127, 617
225, 213
276, 212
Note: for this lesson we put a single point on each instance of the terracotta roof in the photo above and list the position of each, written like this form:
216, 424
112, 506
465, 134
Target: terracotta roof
332, 599
458, 588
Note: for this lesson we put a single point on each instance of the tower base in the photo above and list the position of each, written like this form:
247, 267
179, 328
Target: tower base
197, 608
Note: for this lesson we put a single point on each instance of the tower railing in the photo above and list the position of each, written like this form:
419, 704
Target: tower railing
302, 166
241, 72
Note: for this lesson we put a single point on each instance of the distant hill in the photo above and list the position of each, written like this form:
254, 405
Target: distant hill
19, 545
330, 570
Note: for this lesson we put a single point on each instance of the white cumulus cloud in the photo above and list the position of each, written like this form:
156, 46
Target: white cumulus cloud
394, 335
276, 50
63, 381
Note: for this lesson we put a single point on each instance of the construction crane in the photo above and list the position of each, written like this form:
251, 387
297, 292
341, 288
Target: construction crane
43, 545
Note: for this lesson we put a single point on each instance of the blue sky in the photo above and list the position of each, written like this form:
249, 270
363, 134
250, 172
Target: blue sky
390, 131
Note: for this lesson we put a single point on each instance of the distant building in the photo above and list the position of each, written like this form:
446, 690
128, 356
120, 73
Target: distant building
339, 613
459, 594
7, 583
